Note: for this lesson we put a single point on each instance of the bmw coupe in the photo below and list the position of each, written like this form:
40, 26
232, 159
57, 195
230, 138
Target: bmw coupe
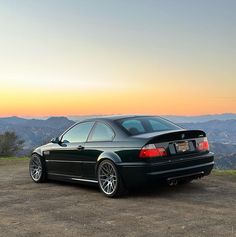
118, 152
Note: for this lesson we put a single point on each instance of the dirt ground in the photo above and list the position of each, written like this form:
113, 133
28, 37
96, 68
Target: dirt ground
203, 208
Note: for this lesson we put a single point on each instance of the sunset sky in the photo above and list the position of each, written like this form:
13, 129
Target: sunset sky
84, 57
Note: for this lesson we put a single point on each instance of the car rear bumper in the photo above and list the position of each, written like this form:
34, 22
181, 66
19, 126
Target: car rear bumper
138, 173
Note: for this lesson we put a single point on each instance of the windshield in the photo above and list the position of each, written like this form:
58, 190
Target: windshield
140, 125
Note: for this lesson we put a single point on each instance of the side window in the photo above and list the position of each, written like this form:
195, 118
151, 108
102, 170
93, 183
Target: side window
102, 132
78, 133
133, 126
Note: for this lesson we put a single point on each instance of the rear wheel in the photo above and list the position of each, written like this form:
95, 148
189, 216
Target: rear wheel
109, 179
37, 169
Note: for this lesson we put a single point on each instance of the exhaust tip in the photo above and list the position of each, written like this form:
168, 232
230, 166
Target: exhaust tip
173, 182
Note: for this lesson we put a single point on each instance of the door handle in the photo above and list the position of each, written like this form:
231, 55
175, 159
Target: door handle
80, 148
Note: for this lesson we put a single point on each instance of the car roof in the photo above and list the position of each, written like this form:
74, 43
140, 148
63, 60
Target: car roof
115, 117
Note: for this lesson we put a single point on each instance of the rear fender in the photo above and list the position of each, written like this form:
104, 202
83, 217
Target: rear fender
108, 156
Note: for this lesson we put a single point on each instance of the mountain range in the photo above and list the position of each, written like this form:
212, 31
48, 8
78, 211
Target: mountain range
35, 132
220, 129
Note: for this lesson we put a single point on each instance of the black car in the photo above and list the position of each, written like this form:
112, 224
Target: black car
118, 152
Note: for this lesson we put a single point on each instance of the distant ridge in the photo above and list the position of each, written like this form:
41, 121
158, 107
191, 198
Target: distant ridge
200, 118
174, 118
13, 120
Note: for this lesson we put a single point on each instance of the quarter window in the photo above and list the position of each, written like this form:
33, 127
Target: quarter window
102, 132
79, 133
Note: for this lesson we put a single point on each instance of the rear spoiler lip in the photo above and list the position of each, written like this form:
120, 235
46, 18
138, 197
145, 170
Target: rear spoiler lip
173, 135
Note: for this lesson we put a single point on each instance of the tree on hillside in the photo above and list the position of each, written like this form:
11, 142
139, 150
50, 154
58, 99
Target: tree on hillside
10, 144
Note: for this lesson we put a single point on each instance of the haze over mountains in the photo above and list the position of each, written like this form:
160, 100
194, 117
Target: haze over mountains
200, 118
220, 129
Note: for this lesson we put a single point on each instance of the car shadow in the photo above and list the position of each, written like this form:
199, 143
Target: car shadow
151, 191
85, 186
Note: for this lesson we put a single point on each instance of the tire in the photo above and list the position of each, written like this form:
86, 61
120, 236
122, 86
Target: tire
37, 169
109, 180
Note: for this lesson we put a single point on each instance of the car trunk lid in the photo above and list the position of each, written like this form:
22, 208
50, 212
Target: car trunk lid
177, 143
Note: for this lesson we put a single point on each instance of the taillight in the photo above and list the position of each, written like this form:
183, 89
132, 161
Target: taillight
203, 145
151, 151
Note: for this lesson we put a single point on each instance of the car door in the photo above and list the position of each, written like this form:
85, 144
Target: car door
99, 140
67, 157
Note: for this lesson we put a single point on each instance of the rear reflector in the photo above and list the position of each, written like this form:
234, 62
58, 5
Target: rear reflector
151, 151
203, 145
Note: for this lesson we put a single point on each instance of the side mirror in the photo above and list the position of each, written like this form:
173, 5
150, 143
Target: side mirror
55, 140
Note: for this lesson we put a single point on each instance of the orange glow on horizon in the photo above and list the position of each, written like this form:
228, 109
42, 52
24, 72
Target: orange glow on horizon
139, 101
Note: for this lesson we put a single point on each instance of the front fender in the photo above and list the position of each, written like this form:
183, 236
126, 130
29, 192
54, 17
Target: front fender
38, 151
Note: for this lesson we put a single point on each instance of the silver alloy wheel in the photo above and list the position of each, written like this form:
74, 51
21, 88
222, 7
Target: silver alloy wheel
107, 177
35, 168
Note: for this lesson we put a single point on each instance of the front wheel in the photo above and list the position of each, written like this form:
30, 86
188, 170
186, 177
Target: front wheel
109, 179
37, 169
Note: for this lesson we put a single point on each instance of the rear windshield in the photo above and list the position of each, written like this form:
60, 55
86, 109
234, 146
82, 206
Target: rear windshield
140, 125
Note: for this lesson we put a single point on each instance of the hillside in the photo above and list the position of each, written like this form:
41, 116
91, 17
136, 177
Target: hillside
222, 136
217, 131
35, 132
